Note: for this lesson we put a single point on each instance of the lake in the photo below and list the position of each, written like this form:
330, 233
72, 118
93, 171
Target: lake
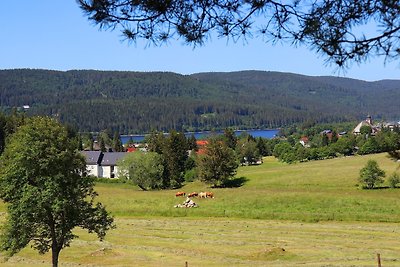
204, 135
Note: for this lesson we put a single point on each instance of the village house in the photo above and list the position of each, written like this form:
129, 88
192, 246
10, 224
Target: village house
102, 164
93, 160
367, 122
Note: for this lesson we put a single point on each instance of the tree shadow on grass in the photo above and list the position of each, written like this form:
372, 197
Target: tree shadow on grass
378, 187
235, 182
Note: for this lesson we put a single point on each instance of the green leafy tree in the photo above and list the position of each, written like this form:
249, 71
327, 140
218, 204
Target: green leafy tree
87, 141
370, 146
218, 163
247, 152
365, 130
394, 180
142, 169
302, 153
344, 146
330, 27
371, 175
324, 140
47, 197
291, 140
334, 137
3, 122
282, 148
8, 125
13, 121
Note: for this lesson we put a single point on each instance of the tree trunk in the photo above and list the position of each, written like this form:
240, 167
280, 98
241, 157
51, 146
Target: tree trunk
55, 251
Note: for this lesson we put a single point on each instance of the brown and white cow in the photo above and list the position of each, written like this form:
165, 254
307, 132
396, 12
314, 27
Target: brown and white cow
210, 194
202, 195
180, 194
193, 194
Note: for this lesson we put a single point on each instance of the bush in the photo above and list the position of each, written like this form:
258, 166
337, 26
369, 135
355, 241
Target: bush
371, 175
190, 175
109, 180
394, 180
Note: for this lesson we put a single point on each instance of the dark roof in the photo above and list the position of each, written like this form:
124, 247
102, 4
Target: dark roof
111, 158
93, 157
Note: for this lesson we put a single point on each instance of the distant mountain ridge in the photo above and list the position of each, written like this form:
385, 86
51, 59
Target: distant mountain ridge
138, 102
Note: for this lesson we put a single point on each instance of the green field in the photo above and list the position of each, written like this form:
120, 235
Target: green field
308, 214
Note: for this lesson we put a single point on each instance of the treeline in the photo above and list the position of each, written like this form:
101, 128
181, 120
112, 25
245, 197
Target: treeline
319, 142
138, 102
167, 163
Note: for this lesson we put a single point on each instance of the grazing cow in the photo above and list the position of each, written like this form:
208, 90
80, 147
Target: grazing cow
210, 194
193, 194
202, 195
180, 194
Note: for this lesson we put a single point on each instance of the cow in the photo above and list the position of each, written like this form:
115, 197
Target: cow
180, 194
210, 194
193, 194
202, 195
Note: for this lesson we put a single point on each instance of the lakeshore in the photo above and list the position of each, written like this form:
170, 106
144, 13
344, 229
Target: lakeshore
270, 133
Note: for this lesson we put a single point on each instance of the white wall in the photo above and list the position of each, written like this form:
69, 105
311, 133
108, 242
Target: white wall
106, 171
93, 170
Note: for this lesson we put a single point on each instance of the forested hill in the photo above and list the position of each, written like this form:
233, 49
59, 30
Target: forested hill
137, 102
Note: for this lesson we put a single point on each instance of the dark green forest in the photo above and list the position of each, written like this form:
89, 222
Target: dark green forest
140, 102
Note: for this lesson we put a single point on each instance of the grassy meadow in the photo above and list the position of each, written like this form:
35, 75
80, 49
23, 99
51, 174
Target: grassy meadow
308, 214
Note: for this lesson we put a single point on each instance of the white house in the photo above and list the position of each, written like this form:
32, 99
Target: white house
108, 164
93, 160
102, 164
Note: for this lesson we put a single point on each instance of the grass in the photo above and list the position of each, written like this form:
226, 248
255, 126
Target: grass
312, 191
228, 242
308, 214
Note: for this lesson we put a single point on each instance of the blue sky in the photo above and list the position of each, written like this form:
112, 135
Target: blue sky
54, 34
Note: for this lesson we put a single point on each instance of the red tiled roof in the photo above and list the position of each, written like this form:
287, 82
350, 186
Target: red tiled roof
131, 149
201, 142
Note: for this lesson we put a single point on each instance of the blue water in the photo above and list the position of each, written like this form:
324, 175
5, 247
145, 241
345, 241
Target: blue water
204, 135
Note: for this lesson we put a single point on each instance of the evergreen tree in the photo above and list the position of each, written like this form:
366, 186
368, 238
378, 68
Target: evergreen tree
192, 143
230, 138
175, 152
91, 142
155, 142
330, 27
102, 144
117, 144
262, 147
218, 165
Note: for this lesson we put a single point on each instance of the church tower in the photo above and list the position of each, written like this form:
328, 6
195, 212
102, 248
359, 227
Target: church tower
369, 120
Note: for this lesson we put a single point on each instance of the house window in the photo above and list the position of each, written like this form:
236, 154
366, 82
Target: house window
112, 174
